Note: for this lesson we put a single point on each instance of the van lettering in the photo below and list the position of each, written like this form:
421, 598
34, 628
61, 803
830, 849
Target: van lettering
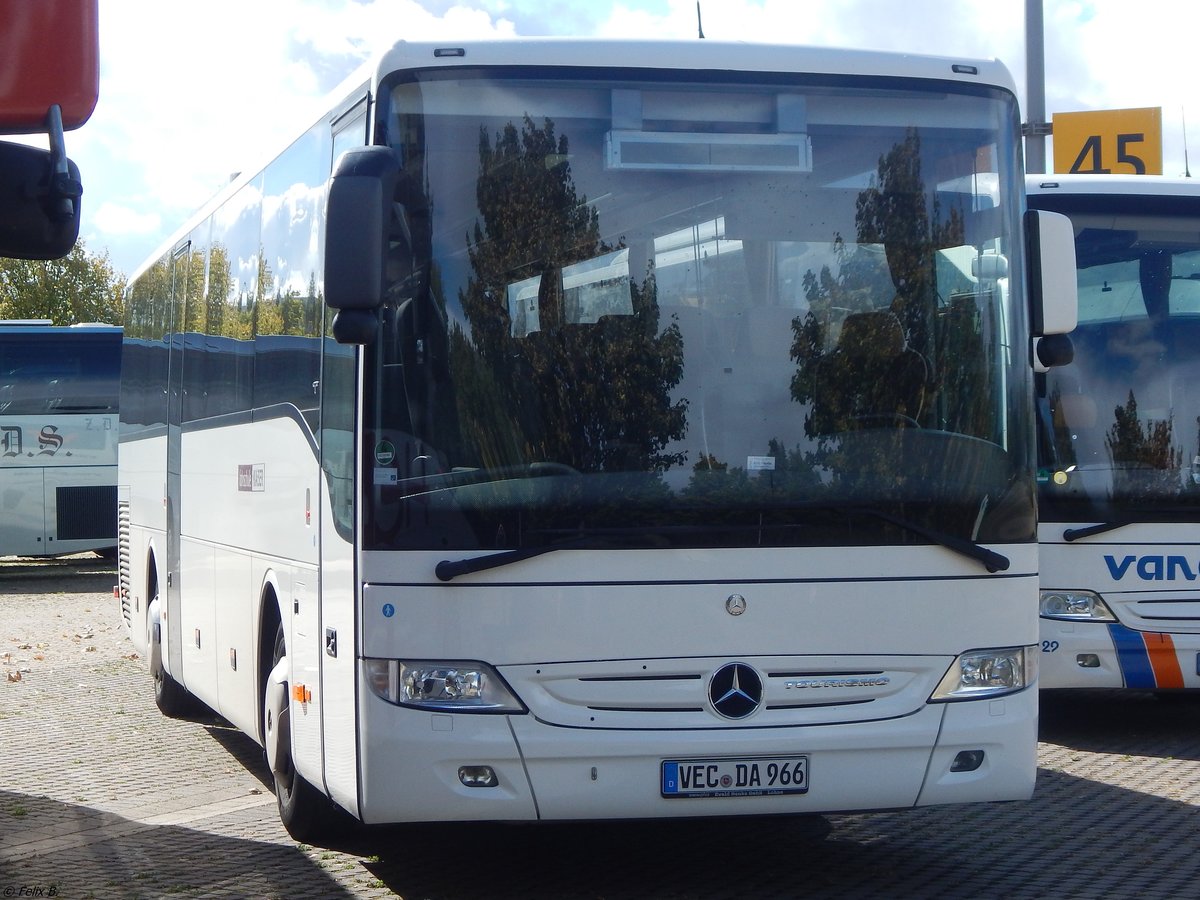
1115, 569
1180, 564
1150, 568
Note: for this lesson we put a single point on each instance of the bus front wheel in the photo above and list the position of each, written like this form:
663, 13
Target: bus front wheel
304, 811
171, 698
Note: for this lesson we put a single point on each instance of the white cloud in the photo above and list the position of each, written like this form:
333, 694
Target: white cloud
190, 94
114, 219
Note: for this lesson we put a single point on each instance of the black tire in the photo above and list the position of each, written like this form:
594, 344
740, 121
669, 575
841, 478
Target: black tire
171, 697
306, 813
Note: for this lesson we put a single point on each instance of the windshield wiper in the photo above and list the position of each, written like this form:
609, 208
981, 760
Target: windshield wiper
1074, 534
1183, 514
448, 569
992, 561
1176, 513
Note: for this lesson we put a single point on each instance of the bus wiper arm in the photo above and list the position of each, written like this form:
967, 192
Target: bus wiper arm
1074, 534
992, 561
1162, 513
449, 569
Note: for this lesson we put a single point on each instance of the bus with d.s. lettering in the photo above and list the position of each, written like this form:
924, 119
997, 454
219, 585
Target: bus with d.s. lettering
58, 438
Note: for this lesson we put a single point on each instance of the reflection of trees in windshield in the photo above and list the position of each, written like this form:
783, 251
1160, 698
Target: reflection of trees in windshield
589, 392
572, 414
887, 364
1146, 462
880, 370
715, 485
1120, 431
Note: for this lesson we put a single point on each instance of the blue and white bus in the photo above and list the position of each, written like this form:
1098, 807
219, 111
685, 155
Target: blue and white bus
58, 438
579, 429
1119, 478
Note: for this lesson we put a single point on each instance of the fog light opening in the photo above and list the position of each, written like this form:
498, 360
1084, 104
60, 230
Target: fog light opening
967, 761
1088, 661
478, 776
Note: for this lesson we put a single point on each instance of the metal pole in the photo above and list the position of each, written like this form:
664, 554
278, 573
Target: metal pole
1036, 127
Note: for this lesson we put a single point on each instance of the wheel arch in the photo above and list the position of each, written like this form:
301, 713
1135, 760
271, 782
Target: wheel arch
270, 617
152, 609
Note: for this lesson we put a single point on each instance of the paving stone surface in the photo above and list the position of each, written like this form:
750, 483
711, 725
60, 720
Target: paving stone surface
101, 796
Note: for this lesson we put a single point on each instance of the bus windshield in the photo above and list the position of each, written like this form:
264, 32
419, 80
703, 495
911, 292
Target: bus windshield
697, 314
59, 371
1120, 434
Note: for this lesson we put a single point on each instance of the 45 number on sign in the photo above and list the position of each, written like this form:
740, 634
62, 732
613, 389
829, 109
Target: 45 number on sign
1091, 157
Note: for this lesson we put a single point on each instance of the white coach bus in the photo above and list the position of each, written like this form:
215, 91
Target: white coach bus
622, 429
1119, 477
58, 438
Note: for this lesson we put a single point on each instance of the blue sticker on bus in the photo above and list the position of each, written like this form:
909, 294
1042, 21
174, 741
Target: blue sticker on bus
388, 610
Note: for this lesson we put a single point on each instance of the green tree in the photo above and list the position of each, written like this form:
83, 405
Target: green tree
594, 396
1146, 460
80, 287
893, 212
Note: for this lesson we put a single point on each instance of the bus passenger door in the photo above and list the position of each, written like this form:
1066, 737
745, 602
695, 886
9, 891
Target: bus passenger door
338, 578
169, 572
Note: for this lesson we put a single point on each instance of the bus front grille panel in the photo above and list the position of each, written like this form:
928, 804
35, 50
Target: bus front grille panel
685, 693
1159, 613
86, 512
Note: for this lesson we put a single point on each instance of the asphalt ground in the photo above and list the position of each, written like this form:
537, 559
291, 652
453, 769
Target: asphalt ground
100, 796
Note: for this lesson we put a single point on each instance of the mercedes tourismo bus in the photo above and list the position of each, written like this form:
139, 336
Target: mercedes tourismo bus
1119, 476
622, 429
58, 438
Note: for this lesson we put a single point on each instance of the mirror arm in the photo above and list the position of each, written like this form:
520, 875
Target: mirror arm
63, 192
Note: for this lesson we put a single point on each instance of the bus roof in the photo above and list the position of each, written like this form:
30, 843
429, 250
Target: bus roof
691, 55
44, 326
1127, 185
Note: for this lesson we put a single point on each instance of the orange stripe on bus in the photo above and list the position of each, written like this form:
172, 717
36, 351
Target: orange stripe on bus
1161, 650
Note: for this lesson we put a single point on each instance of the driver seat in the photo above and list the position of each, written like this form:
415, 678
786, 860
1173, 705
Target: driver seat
872, 379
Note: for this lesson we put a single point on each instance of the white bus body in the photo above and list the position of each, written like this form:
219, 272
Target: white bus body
676, 459
58, 438
1119, 476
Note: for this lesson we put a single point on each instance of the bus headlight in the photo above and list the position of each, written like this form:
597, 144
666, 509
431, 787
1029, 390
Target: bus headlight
987, 673
1075, 606
449, 686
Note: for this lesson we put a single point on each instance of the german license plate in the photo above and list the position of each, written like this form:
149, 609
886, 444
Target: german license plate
753, 777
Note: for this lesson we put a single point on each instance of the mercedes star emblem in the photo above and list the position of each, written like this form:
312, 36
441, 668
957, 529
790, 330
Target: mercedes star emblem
736, 690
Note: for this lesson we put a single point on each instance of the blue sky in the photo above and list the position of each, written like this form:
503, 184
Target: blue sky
191, 93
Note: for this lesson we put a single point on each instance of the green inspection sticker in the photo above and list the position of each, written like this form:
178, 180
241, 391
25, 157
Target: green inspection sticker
385, 453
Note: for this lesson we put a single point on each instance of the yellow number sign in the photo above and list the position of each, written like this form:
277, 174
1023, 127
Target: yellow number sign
1124, 141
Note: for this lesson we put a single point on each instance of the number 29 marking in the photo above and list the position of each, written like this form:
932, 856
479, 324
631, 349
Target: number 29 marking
1049, 646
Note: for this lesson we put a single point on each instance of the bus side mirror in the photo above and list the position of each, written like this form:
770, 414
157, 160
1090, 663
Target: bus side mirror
1053, 289
358, 213
39, 203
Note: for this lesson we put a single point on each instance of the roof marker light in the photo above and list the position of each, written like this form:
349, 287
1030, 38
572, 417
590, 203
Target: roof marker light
449, 51
962, 69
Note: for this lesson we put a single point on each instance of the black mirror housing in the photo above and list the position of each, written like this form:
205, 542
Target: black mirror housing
39, 204
358, 211
1055, 350
355, 326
